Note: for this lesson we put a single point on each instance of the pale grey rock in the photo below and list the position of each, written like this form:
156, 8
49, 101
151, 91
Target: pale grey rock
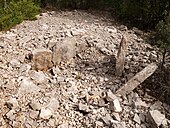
27, 86
25, 68
35, 105
83, 107
105, 51
77, 32
99, 124
68, 34
116, 124
140, 103
64, 125
142, 117
137, 79
107, 119
60, 79
53, 105
44, 27
12, 103
45, 113
38, 77
123, 28
65, 51
112, 30
24, 40
137, 119
110, 96
33, 114
143, 126
116, 116
52, 122
55, 70
153, 56
115, 106
156, 106
11, 115
15, 63
156, 118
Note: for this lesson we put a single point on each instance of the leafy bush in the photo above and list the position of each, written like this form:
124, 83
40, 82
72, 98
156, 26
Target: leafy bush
17, 11
142, 13
163, 36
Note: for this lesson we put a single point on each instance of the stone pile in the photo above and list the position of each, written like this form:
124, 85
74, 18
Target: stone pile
59, 71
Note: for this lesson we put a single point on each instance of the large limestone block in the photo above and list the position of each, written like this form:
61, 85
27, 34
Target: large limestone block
64, 51
42, 59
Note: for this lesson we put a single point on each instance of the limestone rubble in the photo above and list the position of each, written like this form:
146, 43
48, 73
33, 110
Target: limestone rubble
59, 71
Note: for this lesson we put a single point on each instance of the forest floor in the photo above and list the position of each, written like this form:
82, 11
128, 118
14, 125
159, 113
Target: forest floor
80, 91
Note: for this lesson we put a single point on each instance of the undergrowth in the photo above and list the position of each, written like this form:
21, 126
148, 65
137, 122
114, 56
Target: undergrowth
15, 12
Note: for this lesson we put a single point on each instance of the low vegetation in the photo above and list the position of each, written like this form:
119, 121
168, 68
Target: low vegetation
15, 11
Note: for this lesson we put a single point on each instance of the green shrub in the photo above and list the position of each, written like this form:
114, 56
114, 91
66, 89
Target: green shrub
163, 36
16, 11
142, 13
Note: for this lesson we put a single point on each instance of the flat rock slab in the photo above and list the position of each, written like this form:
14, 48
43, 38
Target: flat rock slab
137, 79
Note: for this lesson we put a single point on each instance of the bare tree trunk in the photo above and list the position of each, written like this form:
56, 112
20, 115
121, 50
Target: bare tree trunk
163, 58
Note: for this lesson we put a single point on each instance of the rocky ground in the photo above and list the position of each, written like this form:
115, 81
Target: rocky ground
59, 71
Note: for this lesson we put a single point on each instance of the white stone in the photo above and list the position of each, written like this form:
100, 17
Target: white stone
137, 119
77, 32
11, 115
25, 68
27, 86
13, 102
157, 118
39, 76
114, 30
115, 106
110, 96
33, 114
140, 103
116, 116
64, 125
15, 63
153, 57
35, 105
53, 105
45, 113
83, 107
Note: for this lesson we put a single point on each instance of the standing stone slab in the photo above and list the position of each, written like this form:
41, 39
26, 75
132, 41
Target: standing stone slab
137, 79
120, 60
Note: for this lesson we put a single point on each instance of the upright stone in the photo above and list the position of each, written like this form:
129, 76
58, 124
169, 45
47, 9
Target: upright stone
120, 60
